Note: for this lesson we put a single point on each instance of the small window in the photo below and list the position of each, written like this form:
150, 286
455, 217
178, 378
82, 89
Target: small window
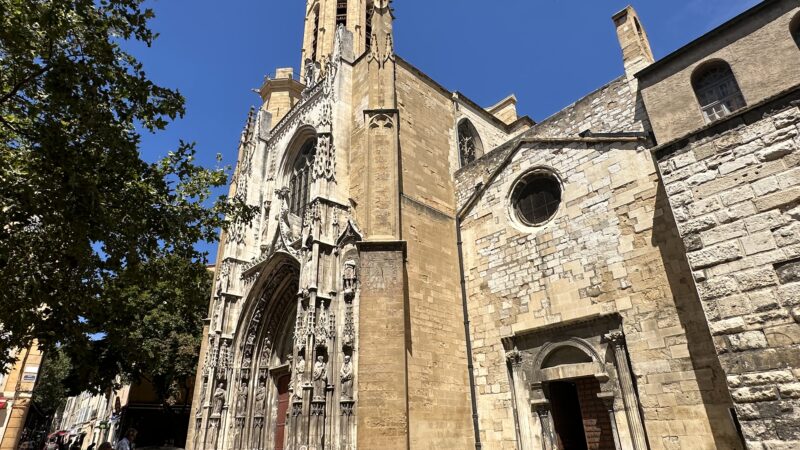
469, 143
368, 25
795, 28
536, 197
717, 90
341, 13
300, 182
315, 34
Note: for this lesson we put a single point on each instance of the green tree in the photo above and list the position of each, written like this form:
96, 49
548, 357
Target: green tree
97, 246
50, 391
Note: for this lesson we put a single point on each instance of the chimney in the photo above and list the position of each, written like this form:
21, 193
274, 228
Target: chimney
636, 53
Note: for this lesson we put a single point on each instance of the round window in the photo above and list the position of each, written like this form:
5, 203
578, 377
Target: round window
536, 198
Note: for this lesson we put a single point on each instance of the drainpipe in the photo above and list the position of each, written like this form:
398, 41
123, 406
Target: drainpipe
470, 365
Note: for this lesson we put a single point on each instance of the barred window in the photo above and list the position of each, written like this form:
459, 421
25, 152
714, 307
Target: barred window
300, 182
717, 90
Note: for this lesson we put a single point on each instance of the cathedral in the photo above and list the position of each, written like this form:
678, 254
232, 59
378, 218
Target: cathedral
428, 273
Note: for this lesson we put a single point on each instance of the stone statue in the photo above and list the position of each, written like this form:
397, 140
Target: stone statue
241, 400
260, 397
346, 377
349, 278
320, 378
299, 370
218, 400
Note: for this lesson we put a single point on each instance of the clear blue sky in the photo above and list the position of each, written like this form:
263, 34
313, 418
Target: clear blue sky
548, 52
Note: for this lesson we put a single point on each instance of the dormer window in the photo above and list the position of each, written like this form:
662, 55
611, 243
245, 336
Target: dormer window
300, 181
717, 90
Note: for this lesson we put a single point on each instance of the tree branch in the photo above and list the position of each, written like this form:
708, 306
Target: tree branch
17, 87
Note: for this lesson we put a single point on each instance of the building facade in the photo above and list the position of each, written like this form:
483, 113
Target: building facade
428, 273
16, 390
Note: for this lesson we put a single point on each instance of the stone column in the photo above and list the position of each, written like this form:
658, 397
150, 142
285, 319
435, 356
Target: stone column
542, 408
629, 397
524, 413
608, 401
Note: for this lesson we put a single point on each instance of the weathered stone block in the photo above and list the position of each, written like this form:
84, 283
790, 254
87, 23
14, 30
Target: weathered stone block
754, 394
758, 242
778, 199
748, 340
788, 272
717, 254
727, 326
756, 279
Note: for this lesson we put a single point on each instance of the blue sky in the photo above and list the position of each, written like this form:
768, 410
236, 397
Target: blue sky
547, 52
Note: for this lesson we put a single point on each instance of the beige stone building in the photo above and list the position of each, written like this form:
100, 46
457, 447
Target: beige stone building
16, 389
429, 273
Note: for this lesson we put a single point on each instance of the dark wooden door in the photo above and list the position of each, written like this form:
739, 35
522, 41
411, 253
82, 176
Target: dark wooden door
283, 407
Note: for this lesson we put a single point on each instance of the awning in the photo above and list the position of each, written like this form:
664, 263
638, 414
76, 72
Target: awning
57, 433
3, 402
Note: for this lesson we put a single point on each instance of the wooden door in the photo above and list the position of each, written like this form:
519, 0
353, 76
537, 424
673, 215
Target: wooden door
283, 408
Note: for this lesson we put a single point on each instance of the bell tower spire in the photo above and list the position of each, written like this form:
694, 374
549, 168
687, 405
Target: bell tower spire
322, 19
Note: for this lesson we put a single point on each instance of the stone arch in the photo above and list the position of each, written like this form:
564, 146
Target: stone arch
552, 348
470, 146
297, 167
262, 351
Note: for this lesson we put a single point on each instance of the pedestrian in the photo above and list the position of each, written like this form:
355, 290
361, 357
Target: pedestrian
126, 443
106, 446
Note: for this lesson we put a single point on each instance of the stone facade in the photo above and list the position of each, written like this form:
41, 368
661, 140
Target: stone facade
736, 194
393, 294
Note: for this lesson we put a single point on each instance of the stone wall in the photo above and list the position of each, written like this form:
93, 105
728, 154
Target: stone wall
438, 386
735, 191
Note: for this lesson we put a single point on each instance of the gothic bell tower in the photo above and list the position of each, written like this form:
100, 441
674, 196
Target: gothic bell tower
323, 17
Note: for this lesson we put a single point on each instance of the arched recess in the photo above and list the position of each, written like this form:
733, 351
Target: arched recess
297, 168
717, 90
263, 354
794, 28
574, 353
470, 146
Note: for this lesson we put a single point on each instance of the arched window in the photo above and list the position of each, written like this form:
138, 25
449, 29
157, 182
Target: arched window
717, 90
795, 29
300, 181
469, 143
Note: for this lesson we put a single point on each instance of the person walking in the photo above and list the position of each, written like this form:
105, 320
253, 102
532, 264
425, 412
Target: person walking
106, 446
127, 443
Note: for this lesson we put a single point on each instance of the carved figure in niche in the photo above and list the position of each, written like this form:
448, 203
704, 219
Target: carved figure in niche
224, 358
346, 376
266, 351
218, 400
248, 357
241, 400
261, 396
320, 378
349, 278
299, 370
251, 339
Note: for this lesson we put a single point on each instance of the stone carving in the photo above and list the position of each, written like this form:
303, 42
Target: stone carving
514, 357
346, 378
241, 401
380, 272
320, 378
299, 372
224, 359
266, 352
325, 161
349, 279
260, 397
218, 400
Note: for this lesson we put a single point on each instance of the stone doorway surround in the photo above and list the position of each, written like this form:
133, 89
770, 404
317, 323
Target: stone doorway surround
588, 348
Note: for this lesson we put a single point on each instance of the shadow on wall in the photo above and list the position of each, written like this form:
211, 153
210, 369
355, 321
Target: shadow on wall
711, 378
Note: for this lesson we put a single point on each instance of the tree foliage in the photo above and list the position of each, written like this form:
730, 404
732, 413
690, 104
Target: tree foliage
97, 246
51, 390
